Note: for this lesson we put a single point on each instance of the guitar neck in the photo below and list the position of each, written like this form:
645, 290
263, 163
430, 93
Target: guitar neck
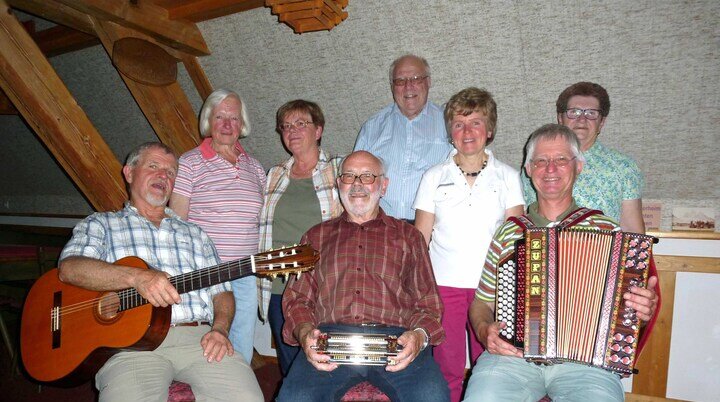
195, 280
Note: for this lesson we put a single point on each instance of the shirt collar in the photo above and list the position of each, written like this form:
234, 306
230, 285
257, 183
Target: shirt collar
423, 112
207, 151
322, 160
380, 219
130, 209
542, 221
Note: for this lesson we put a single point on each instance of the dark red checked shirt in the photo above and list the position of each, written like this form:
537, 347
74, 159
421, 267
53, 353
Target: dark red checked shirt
377, 272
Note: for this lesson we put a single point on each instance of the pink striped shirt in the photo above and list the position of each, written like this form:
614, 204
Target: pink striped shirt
225, 198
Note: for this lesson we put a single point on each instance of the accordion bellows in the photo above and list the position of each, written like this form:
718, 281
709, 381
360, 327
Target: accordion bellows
560, 296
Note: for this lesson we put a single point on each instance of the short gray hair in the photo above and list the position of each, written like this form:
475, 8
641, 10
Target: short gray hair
550, 132
408, 56
215, 99
134, 155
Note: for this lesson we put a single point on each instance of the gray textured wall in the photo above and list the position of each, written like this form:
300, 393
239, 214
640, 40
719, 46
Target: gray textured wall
657, 59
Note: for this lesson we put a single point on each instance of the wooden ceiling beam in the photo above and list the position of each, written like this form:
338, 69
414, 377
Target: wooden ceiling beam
147, 18
44, 101
167, 107
56, 12
61, 39
202, 10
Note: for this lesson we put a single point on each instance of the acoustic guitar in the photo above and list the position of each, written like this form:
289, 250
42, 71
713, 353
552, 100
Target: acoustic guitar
68, 333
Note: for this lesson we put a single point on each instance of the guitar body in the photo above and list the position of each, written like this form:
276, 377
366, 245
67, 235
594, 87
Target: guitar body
72, 347
67, 333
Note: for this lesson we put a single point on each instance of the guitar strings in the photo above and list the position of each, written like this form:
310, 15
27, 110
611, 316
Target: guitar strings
126, 295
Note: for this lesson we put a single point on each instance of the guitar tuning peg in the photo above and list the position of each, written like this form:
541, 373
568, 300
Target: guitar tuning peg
273, 275
298, 275
287, 276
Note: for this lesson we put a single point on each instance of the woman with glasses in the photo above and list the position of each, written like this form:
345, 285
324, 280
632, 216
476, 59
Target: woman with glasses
219, 187
610, 180
459, 204
299, 194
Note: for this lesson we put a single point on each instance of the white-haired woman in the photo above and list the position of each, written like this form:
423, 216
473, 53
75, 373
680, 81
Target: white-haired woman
220, 187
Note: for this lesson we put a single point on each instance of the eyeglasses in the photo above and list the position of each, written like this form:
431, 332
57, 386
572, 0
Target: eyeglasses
401, 82
365, 178
560, 161
298, 125
590, 114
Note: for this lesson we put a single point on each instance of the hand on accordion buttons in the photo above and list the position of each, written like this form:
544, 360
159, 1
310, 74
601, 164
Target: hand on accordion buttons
495, 344
643, 300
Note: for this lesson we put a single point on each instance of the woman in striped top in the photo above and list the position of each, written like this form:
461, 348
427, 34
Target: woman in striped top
219, 187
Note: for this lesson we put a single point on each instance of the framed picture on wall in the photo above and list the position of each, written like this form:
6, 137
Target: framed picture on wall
685, 218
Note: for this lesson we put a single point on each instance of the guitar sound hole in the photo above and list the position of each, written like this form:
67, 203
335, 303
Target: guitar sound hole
108, 307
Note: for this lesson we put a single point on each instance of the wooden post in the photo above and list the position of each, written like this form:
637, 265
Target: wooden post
167, 108
44, 101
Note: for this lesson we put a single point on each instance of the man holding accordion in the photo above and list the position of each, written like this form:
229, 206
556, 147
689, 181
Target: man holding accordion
508, 371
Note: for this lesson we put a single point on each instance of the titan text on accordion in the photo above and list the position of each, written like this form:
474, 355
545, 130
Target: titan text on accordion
560, 296
359, 349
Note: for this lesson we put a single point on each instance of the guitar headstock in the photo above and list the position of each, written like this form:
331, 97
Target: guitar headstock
286, 261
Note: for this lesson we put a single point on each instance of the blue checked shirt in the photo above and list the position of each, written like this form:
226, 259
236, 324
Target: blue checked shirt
408, 148
175, 247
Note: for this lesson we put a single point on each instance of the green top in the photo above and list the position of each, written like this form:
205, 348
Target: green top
542, 221
296, 211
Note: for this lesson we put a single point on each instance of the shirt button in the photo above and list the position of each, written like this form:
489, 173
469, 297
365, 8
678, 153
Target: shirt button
323, 211
357, 317
358, 269
360, 246
357, 292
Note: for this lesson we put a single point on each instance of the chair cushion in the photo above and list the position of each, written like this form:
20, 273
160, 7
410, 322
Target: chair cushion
364, 392
180, 392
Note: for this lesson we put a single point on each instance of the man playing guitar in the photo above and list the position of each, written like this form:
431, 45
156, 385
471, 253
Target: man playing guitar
193, 351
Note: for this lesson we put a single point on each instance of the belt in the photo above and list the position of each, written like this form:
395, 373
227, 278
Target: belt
191, 324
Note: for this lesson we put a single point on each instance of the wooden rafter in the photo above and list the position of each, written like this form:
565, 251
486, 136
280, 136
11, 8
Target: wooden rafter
48, 107
56, 12
61, 39
201, 10
166, 108
147, 18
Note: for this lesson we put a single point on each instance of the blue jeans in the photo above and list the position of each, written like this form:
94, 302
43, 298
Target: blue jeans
506, 378
420, 381
285, 352
242, 330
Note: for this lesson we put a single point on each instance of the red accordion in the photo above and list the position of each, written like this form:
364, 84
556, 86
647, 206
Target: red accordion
560, 296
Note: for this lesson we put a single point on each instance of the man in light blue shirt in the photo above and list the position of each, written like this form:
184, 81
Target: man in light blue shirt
408, 135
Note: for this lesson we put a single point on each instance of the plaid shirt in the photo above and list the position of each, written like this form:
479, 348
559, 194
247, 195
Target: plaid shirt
175, 247
377, 272
323, 177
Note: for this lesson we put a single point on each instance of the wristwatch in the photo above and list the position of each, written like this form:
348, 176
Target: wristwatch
427, 337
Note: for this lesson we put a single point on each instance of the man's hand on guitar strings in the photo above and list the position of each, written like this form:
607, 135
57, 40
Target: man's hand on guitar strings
156, 288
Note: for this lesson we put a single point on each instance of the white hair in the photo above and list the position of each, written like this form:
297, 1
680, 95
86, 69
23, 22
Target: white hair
215, 99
